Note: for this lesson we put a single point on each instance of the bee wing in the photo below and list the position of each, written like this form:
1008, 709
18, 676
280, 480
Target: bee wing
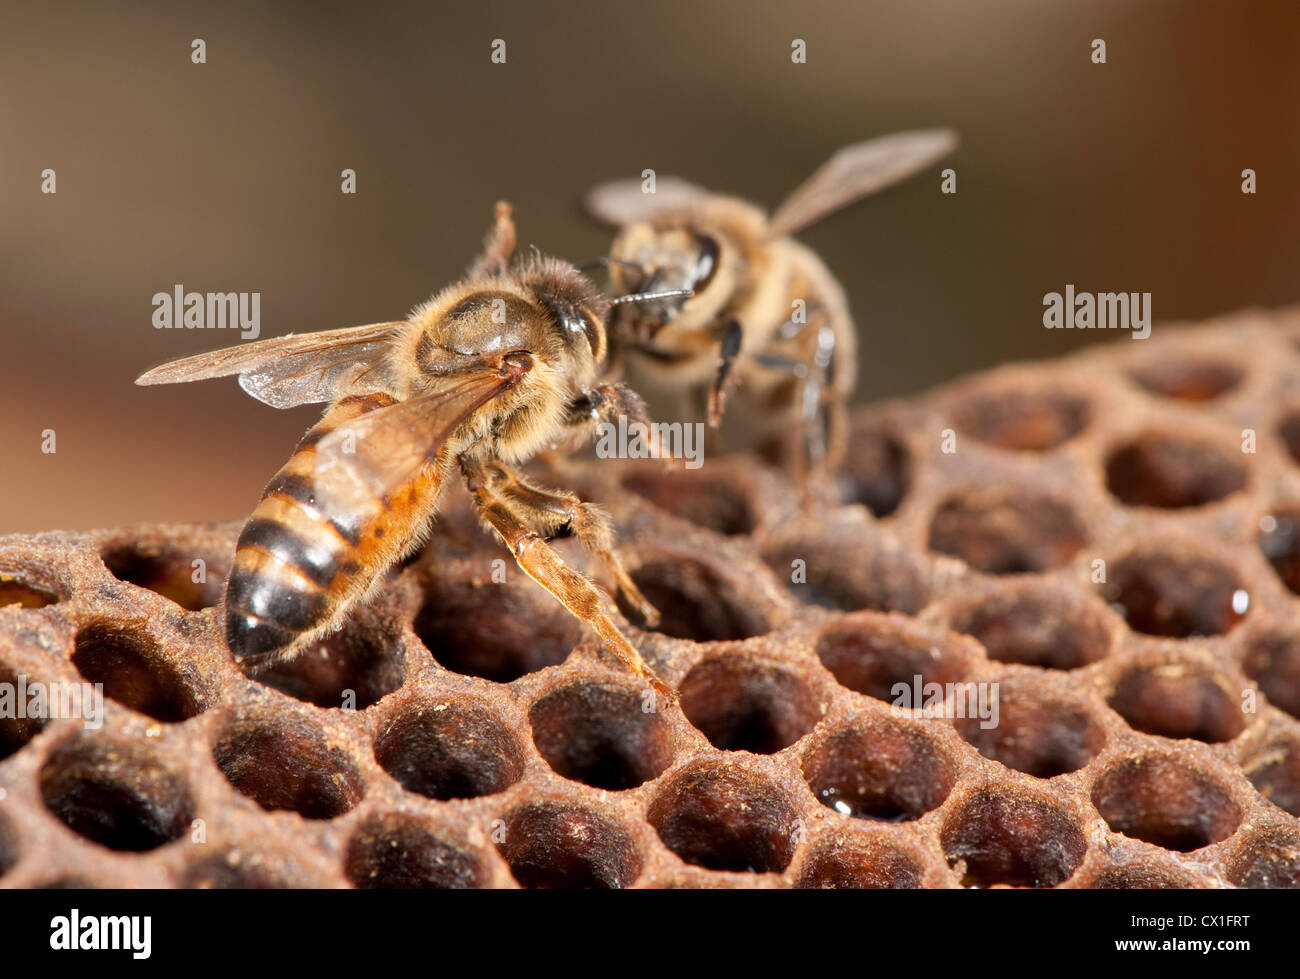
857, 171
377, 453
293, 370
622, 202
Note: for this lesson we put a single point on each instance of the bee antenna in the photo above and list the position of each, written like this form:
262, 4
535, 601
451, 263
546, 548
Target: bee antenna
605, 261
649, 297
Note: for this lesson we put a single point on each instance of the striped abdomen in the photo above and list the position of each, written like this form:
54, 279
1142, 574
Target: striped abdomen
298, 568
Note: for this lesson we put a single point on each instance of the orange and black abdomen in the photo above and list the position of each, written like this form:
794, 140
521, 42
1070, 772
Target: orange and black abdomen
297, 567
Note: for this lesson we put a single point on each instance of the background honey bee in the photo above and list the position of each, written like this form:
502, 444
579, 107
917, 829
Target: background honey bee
482, 376
761, 312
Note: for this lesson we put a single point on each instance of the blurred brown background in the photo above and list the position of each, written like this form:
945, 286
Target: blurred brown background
225, 176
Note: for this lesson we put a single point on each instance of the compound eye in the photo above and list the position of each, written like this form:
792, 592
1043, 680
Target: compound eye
590, 330
706, 264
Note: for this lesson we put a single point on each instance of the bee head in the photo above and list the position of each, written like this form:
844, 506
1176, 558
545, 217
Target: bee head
649, 258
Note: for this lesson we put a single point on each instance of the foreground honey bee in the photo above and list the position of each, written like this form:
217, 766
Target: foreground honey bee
754, 309
482, 376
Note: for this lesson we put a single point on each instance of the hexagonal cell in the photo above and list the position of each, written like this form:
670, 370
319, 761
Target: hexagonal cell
742, 703
1280, 541
850, 568
860, 861
116, 793
352, 668
1144, 876
1272, 660
1001, 530
234, 870
694, 602
1275, 772
877, 470
1171, 591
496, 631
1002, 835
136, 673
1268, 858
16, 731
555, 845
1187, 378
449, 748
285, 762
872, 653
398, 852
880, 768
1178, 700
1023, 420
723, 817
171, 570
600, 734
715, 501
1170, 472
1036, 625
1035, 731
18, 589
1161, 800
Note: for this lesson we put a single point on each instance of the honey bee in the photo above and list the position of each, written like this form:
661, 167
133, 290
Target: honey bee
477, 380
755, 310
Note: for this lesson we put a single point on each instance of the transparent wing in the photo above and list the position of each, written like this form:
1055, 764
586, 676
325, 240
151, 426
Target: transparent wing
857, 171
622, 202
379, 452
308, 368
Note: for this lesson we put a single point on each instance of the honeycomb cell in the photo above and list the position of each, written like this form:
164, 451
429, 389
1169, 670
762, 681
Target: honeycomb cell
1023, 420
1178, 700
871, 654
1268, 858
1172, 472
450, 748
1144, 876
136, 673
171, 570
1006, 530
1187, 379
553, 845
498, 631
601, 735
1272, 660
1275, 773
1035, 731
723, 817
1036, 626
880, 768
1161, 800
741, 703
1003, 836
115, 793
694, 602
17, 589
877, 471
16, 731
283, 762
1280, 542
1168, 591
398, 852
850, 570
860, 861
352, 668
713, 501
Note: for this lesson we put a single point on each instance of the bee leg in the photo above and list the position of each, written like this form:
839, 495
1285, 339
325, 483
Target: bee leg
498, 246
554, 512
731, 339
572, 589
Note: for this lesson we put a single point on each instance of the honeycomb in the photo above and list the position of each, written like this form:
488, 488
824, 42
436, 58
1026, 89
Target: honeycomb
1112, 538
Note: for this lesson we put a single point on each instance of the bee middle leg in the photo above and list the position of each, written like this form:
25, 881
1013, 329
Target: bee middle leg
554, 512
540, 562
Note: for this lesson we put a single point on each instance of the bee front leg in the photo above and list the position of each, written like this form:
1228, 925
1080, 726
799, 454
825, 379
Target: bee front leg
540, 562
732, 336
